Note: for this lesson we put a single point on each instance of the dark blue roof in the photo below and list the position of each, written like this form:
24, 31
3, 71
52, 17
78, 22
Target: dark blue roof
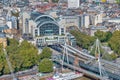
2, 35
35, 14
3, 27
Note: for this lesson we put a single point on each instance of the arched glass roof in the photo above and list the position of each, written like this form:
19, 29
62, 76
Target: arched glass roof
44, 17
48, 28
46, 25
47, 22
35, 14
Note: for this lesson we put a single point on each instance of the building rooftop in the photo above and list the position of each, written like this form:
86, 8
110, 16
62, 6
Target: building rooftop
3, 27
35, 14
99, 28
2, 35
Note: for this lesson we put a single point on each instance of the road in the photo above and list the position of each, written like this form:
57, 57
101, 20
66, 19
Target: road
19, 74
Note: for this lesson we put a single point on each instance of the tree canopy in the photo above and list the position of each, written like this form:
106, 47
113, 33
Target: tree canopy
83, 40
46, 53
110, 57
103, 36
114, 42
22, 56
2, 60
118, 1
46, 65
112, 39
28, 55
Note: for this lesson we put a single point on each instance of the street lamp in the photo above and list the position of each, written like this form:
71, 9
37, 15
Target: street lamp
54, 69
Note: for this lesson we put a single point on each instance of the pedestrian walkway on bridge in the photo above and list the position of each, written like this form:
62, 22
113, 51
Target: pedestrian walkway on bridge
65, 60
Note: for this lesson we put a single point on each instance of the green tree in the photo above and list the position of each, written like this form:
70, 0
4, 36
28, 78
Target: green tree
2, 60
12, 45
103, 36
29, 55
110, 57
100, 35
23, 56
108, 35
4, 68
83, 40
114, 42
118, 2
46, 53
46, 66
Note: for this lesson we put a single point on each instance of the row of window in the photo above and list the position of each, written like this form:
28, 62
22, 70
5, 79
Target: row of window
49, 29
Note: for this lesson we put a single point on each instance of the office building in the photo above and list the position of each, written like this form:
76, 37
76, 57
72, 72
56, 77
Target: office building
25, 17
73, 3
84, 21
44, 29
93, 29
69, 20
97, 19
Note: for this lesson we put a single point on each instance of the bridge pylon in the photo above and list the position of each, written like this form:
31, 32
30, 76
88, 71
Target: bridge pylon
102, 71
65, 54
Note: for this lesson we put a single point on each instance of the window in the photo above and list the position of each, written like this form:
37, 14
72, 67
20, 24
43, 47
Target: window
62, 30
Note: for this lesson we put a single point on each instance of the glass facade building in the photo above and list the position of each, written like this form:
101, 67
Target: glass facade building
46, 30
47, 26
